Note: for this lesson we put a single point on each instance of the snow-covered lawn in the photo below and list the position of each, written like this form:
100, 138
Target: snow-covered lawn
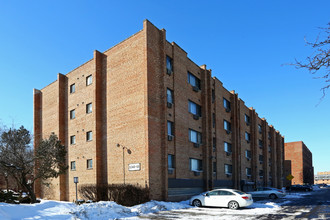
111, 210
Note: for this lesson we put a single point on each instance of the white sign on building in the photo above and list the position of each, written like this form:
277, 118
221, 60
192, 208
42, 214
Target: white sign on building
134, 166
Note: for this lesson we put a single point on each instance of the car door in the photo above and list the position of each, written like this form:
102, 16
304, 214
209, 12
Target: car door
226, 197
211, 198
257, 192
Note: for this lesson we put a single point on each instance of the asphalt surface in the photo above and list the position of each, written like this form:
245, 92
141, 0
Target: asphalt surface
313, 205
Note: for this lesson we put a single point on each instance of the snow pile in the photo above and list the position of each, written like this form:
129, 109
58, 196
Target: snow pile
44, 210
111, 210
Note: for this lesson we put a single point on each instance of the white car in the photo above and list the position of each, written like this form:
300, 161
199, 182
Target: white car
230, 198
267, 192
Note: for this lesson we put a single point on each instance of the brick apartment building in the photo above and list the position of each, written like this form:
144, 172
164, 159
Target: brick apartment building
322, 178
299, 163
143, 113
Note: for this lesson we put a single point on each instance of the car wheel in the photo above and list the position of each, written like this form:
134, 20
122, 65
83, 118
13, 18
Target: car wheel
233, 205
197, 203
273, 196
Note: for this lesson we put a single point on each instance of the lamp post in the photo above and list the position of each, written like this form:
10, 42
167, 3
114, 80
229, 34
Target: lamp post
129, 152
75, 180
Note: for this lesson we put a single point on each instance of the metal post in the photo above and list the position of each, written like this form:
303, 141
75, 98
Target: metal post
75, 180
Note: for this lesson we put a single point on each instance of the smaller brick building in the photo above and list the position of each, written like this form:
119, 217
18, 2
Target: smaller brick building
298, 162
322, 178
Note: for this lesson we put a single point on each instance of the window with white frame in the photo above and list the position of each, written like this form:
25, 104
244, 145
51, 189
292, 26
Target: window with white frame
169, 65
247, 136
194, 81
89, 135
73, 165
227, 147
214, 167
196, 165
89, 108
170, 128
89, 80
248, 154
72, 139
170, 161
226, 125
226, 104
195, 136
169, 96
89, 164
73, 88
194, 108
228, 169
248, 171
73, 114
214, 144
247, 119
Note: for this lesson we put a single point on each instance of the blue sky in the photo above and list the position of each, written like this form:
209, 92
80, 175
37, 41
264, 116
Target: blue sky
245, 43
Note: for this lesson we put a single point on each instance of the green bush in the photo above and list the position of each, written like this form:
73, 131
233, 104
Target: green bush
127, 195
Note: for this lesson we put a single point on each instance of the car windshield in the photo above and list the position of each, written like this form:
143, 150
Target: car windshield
239, 192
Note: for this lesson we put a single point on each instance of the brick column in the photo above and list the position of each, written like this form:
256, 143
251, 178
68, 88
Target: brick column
62, 129
37, 131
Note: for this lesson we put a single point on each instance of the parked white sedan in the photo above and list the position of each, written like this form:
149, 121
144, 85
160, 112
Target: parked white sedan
230, 198
267, 192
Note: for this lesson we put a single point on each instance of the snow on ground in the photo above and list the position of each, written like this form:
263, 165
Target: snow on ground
110, 210
43, 210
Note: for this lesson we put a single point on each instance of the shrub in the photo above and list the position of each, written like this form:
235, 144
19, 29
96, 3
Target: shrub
127, 195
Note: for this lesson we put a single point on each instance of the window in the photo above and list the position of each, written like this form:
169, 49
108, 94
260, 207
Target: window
89, 80
73, 165
170, 161
214, 167
194, 108
269, 135
90, 164
261, 173
73, 139
248, 171
228, 169
194, 81
214, 144
269, 149
226, 104
73, 88
195, 136
196, 165
169, 65
169, 128
248, 154
247, 137
260, 129
227, 147
169, 96
73, 114
213, 120
89, 108
261, 144
247, 119
89, 136
213, 95
261, 158
226, 125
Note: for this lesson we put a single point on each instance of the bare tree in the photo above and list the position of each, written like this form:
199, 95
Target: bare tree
319, 61
18, 158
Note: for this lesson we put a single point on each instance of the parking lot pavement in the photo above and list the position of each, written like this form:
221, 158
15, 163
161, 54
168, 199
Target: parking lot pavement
307, 205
